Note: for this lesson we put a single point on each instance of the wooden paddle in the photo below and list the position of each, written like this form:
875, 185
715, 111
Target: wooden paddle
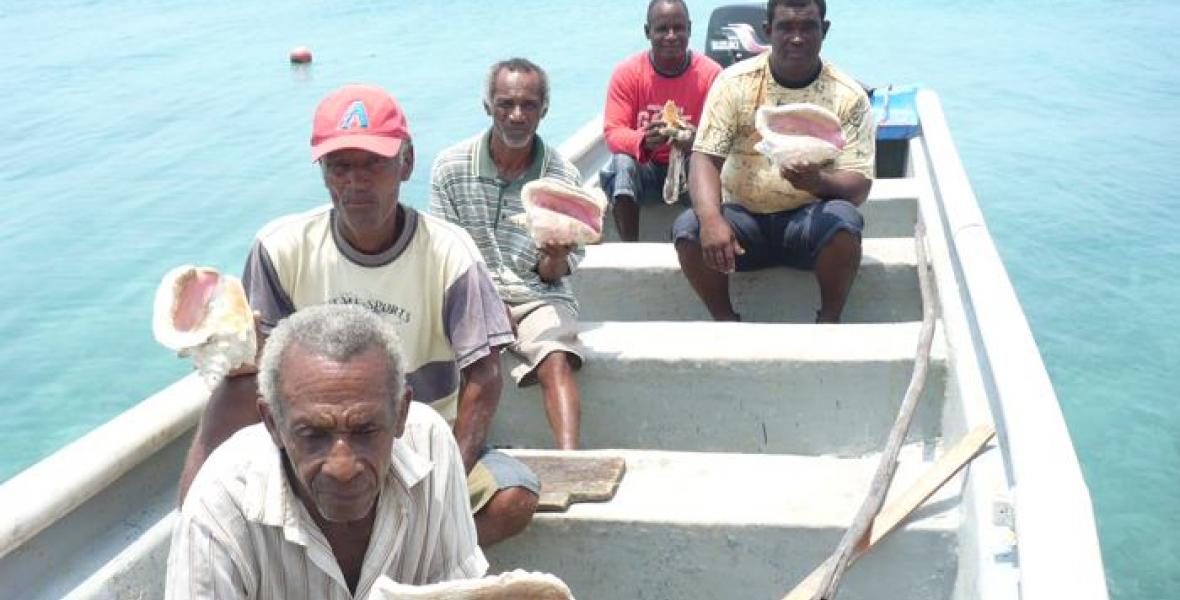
897, 511
842, 556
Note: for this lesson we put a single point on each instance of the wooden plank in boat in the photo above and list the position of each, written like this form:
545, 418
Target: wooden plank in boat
569, 479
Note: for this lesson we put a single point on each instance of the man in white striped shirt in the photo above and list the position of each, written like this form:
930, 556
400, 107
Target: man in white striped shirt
344, 481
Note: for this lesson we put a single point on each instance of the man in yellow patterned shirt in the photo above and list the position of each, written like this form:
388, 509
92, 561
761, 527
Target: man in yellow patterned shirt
749, 214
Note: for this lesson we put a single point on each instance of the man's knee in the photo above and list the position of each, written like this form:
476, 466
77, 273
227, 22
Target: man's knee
620, 179
555, 367
509, 511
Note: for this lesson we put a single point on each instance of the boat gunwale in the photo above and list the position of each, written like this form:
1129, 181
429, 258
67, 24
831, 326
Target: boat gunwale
1058, 551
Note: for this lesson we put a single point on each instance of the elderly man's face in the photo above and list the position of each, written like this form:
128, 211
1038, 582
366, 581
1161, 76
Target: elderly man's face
337, 429
364, 188
517, 108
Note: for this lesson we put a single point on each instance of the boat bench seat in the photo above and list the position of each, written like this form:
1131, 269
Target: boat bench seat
643, 282
747, 387
890, 212
708, 526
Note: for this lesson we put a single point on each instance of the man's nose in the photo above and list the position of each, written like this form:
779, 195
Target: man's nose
516, 114
341, 464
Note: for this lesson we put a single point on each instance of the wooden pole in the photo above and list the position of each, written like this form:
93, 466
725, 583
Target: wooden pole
841, 558
897, 511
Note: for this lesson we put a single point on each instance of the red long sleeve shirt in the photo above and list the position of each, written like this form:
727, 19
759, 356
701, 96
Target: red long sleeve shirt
637, 94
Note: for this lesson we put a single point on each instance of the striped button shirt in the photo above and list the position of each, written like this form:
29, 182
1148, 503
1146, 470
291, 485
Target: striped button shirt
466, 189
243, 533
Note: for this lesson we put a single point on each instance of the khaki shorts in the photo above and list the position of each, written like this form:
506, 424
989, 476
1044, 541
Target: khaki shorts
542, 328
496, 471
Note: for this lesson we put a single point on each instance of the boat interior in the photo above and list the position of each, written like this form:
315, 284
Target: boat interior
748, 446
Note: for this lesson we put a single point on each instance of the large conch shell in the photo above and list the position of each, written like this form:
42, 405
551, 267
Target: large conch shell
794, 134
514, 585
559, 213
204, 314
676, 129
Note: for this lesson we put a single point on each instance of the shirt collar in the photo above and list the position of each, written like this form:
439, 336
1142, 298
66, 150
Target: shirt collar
409, 218
271, 501
486, 169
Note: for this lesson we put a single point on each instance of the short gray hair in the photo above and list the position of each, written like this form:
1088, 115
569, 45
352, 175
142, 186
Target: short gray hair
516, 65
337, 332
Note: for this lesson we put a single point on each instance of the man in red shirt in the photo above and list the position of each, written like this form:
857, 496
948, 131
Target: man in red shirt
639, 87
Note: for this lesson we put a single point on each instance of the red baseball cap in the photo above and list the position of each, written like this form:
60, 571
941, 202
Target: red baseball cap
360, 117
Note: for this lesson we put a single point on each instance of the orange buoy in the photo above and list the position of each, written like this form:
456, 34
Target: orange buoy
300, 55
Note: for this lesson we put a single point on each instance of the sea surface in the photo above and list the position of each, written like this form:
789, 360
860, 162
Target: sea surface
140, 135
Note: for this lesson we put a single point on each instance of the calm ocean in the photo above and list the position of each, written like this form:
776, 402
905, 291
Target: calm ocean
141, 135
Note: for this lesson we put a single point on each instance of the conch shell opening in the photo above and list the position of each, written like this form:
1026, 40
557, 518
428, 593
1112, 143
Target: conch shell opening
798, 134
203, 314
559, 213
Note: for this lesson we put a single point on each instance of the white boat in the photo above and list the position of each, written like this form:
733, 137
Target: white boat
749, 446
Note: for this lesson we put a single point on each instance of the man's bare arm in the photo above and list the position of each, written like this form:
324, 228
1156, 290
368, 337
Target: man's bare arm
479, 395
232, 406
830, 184
718, 243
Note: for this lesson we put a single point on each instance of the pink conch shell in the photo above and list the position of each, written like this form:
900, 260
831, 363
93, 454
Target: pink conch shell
559, 213
798, 134
513, 585
203, 314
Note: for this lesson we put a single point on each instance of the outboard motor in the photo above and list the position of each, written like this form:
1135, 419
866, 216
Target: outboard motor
735, 33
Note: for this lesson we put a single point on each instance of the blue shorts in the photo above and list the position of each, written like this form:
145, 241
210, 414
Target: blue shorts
792, 237
643, 182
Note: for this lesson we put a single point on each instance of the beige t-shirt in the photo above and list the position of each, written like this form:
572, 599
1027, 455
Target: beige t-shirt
431, 285
727, 130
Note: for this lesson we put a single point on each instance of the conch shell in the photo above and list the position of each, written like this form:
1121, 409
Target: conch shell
204, 314
513, 585
559, 213
798, 134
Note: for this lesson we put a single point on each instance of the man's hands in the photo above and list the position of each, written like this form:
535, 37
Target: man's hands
653, 135
552, 265
718, 244
808, 177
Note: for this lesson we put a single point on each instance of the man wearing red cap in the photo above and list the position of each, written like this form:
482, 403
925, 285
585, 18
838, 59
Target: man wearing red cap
420, 273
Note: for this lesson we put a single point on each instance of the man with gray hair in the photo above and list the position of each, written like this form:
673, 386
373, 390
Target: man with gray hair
476, 184
344, 481
420, 273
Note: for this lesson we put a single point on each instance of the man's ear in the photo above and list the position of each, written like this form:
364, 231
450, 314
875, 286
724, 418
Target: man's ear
487, 108
827, 25
399, 427
407, 162
271, 421
766, 29
647, 31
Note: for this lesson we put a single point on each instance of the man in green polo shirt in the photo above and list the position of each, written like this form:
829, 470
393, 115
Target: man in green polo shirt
476, 184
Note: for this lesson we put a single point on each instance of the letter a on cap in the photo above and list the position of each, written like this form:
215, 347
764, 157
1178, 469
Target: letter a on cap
356, 112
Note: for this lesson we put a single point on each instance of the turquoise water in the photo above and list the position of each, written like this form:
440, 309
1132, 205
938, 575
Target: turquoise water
140, 135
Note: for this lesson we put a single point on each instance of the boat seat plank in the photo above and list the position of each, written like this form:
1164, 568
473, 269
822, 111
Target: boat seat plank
890, 212
724, 518
746, 387
643, 282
